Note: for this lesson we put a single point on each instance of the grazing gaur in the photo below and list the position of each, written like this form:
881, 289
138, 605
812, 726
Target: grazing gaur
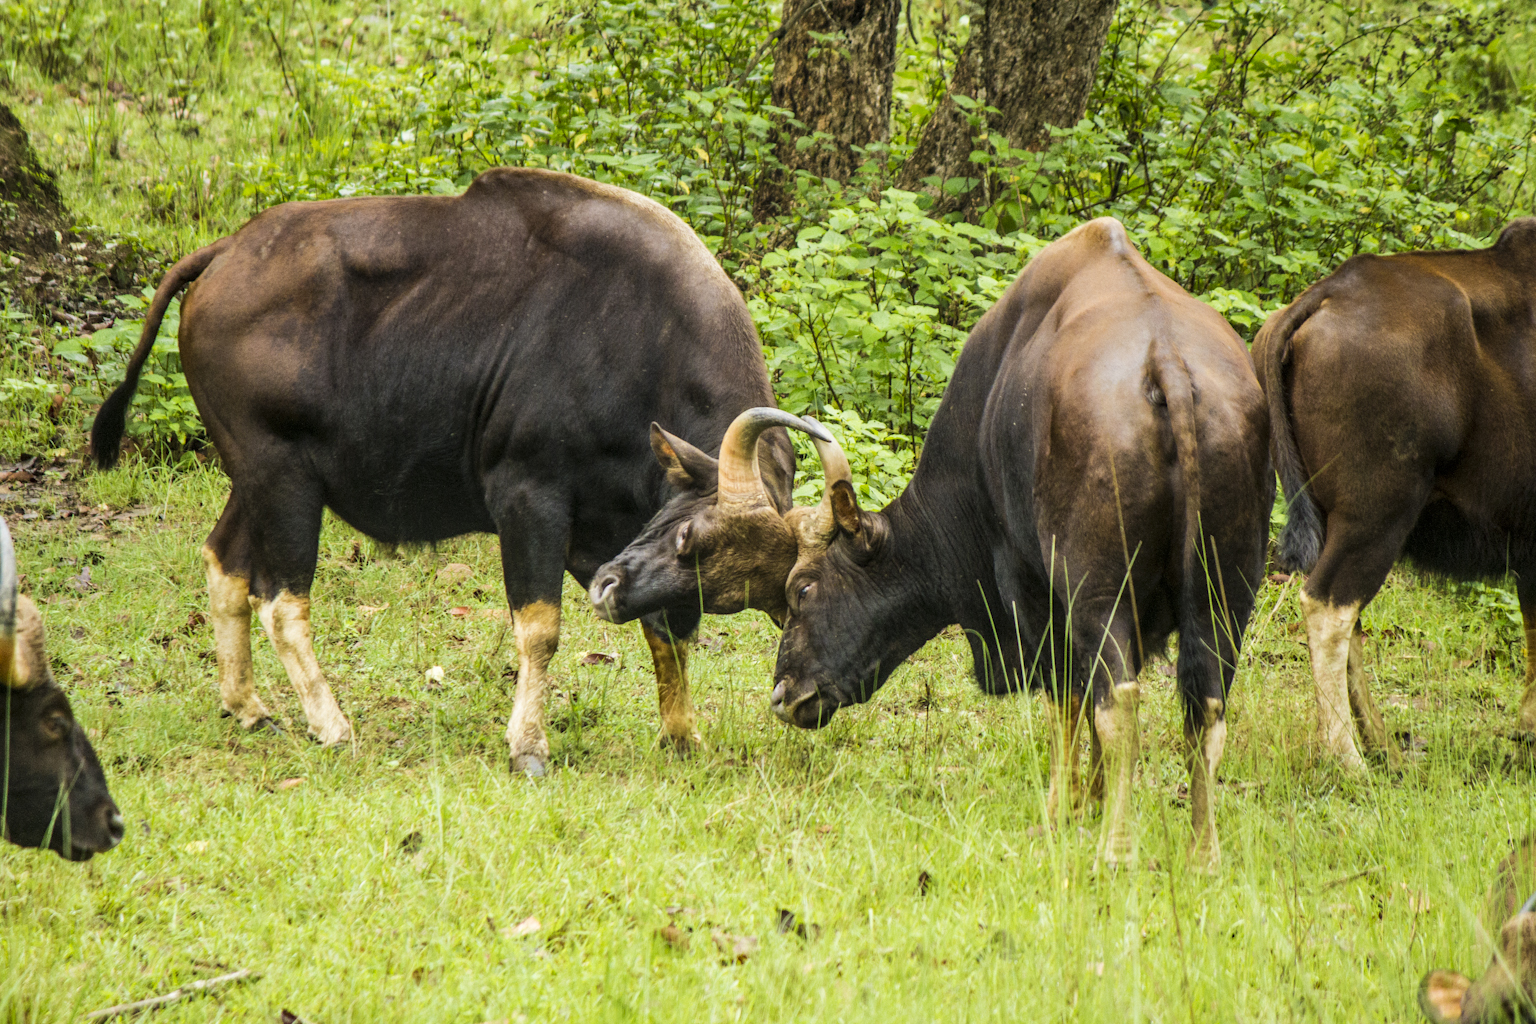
1506, 993
1402, 400
55, 795
1096, 477
727, 548
429, 366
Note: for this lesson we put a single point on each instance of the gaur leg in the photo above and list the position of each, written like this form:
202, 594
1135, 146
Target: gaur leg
284, 527
533, 541
1373, 728
1116, 700
669, 653
1065, 714
1209, 640
1356, 557
227, 555
1527, 721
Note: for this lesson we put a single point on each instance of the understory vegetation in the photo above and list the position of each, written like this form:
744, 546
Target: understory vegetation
1248, 145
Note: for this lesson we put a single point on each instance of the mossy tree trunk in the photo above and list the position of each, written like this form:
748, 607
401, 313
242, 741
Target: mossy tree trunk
1034, 61
833, 69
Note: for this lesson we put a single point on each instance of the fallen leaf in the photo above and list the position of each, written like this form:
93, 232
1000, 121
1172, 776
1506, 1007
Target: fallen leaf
19, 476
674, 936
201, 846
454, 573
435, 675
924, 880
194, 620
289, 1017
371, 609
597, 658
411, 843
527, 926
460, 611
292, 783
1279, 577
737, 947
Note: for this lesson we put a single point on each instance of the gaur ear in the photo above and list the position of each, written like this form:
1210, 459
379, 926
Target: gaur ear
688, 469
1440, 995
845, 508
866, 531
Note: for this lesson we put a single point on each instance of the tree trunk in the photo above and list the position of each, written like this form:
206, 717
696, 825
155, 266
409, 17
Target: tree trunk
833, 69
1034, 60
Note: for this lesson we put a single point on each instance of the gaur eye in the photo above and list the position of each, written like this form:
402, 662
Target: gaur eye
806, 589
684, 533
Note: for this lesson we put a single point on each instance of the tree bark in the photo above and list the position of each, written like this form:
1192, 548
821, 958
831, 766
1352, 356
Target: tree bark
1033, 60
833, 69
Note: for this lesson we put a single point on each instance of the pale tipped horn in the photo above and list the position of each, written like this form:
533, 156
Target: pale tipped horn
7, 607
741, 485
834, 466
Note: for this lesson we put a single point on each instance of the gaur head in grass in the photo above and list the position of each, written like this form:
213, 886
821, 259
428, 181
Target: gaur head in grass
724, 541
1506, 993
1096, 478
55, 793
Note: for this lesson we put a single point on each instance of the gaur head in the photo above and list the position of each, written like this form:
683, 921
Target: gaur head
846, 630
721, 542
1506, 993
55, 794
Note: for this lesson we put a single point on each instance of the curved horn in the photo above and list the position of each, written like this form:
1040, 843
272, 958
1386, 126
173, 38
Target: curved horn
816, 526
7, 607
741, 486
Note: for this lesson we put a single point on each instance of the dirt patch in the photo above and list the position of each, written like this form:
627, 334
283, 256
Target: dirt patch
55, 270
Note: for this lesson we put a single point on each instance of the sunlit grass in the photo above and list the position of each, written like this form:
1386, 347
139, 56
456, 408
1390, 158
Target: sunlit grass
906, 831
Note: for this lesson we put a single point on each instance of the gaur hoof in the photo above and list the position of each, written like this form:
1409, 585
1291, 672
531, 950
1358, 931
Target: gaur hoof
531, 765
685, 744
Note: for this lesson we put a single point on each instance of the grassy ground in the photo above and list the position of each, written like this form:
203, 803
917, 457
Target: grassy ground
388, 884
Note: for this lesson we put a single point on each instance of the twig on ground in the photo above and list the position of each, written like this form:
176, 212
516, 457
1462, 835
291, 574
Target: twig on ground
1348, 878
191, 988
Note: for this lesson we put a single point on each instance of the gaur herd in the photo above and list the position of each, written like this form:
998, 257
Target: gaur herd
553, 360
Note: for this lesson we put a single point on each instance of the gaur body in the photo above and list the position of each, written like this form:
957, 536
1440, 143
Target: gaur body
431, 366
1402, 393
1096, 477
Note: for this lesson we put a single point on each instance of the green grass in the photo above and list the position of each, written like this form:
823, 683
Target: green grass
1336, 895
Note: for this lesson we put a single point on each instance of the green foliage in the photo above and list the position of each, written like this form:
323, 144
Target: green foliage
1253, 145
163, 410
1248, 145
865, 313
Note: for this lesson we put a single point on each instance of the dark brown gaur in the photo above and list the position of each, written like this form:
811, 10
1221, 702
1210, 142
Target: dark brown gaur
1096, 478
1402, 399
1506, 992
55, 795
430, 366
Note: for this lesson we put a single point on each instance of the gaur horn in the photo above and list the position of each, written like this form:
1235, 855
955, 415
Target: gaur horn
741, 485
834, 465
7, 607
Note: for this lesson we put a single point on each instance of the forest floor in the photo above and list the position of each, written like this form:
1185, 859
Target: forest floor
411, 878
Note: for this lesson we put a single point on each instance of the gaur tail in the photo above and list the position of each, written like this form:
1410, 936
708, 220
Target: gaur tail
1301, 541
1171, 375
111, 418
1203, 617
